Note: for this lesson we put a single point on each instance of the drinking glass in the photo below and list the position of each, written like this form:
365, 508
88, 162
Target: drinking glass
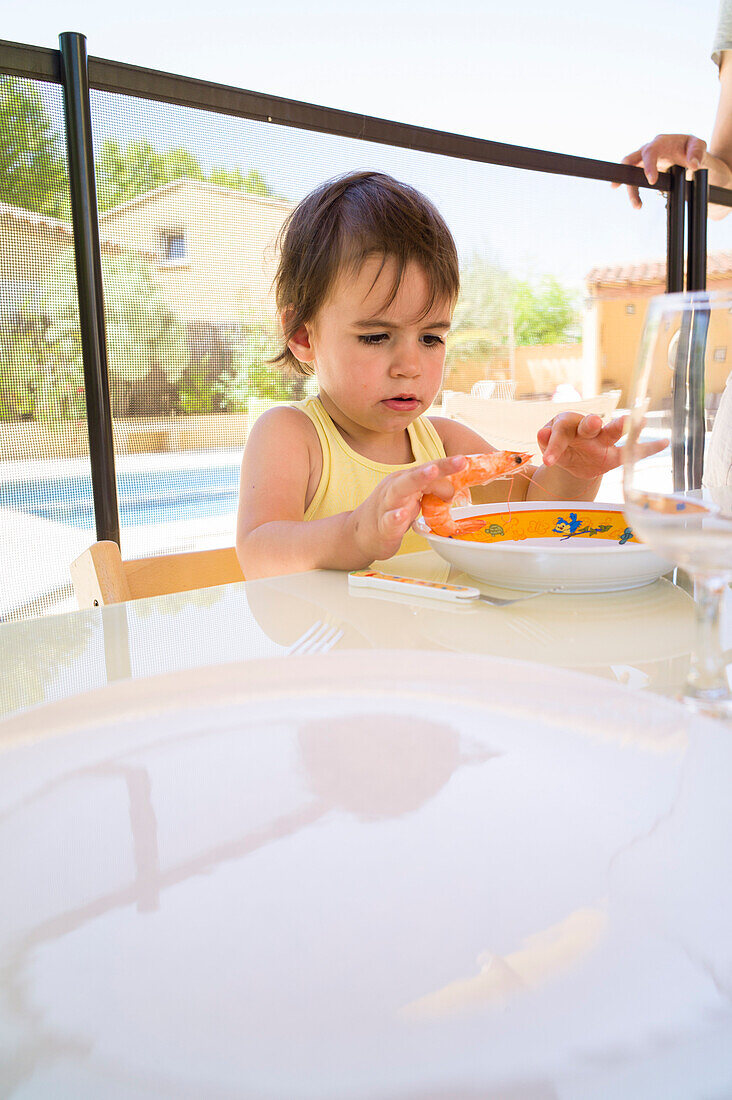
679, 500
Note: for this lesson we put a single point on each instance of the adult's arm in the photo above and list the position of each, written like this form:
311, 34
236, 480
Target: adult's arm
720, 145
691, 152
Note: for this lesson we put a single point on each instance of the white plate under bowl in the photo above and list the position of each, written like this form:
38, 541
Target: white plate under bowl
536, 564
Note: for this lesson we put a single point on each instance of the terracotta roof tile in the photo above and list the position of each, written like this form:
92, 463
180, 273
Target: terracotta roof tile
719, 265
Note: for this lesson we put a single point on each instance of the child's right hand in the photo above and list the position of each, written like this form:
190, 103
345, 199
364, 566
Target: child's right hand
381, 522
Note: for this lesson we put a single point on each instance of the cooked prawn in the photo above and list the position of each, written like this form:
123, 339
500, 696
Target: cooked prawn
479, 470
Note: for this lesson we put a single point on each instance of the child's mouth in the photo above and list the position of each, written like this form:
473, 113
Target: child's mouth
405, 402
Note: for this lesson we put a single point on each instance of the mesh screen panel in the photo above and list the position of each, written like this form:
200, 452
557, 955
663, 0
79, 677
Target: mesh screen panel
556, 272
195, 199
44, 455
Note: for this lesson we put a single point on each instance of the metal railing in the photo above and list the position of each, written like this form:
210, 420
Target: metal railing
686, 243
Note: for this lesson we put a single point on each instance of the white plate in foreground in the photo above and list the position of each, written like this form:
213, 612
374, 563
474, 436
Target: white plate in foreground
584, 547
393, 875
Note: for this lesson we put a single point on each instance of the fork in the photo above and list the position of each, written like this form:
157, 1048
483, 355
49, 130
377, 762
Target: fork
498, 601
318, 638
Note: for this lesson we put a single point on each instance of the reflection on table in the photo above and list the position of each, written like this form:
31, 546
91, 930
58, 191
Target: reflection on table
642, 637
217, 888
396, 870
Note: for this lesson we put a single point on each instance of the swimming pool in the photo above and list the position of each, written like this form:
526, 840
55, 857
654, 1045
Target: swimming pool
145, 497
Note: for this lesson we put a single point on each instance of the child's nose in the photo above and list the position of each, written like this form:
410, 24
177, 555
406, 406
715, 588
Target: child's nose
405, 363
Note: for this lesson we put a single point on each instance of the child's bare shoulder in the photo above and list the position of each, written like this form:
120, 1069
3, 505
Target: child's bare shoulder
284, 422
285, 439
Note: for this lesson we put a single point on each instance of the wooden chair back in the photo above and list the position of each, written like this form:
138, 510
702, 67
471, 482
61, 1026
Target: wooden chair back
101, 577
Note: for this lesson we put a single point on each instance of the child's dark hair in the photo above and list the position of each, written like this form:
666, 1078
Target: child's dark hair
344, 221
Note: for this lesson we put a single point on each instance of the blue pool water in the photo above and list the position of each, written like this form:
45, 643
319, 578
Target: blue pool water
149, 497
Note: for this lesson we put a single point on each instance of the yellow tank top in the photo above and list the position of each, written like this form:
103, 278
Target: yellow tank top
348, 478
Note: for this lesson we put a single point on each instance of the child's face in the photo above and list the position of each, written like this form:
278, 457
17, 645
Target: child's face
379, 366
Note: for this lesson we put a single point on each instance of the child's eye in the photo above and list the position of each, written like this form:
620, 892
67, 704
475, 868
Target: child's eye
374, 338
432, 340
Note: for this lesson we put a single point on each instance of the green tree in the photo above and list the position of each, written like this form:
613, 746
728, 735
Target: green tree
22, 352
32, 164
143, 334
485, 295
123, 173
198, 392
253, 182
481, 321
545, 312
495, 309
38, 381
144, 338
254, 375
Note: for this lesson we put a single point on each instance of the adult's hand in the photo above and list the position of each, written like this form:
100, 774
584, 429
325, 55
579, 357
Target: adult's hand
660, 154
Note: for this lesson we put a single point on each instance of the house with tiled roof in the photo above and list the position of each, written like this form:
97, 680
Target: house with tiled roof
615, 310
214, 247
29, 242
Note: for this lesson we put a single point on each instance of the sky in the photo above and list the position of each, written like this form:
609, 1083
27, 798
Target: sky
572, 77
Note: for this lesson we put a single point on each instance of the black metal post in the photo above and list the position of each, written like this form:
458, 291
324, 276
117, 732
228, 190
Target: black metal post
696, 280
675, 224
89, 282
688, 383
696, 275
675, 209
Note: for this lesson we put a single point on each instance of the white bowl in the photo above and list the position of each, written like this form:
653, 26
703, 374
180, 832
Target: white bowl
582, 546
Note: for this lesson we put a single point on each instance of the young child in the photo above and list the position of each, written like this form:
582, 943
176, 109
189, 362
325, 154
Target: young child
366, 286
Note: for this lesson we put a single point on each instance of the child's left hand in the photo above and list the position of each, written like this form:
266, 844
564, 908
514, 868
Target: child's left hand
585, 448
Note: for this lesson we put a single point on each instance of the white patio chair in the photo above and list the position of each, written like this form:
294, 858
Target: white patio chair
483, 389
504, 389
512, 425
